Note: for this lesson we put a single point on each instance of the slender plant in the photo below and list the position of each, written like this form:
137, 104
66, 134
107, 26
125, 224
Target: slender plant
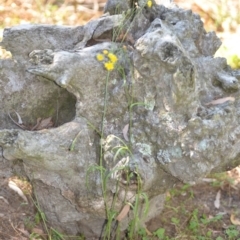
109, 60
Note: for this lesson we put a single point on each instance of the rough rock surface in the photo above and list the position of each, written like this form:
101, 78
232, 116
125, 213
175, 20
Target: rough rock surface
168, 112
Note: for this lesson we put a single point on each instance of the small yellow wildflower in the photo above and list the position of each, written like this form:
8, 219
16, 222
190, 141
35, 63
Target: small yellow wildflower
105, 52
109, 66
100, 57
112, 57
149, 3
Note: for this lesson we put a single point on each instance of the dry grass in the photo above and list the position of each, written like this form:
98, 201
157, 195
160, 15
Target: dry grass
217, 15
223, 17
48, 12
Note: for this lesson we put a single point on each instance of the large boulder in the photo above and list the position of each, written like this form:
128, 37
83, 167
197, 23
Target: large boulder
153, 107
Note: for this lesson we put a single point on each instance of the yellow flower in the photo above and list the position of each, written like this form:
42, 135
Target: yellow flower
112, 57
149, 3
100, 57
105, 52
109, 66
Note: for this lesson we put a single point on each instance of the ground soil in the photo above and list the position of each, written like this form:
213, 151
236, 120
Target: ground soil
213, 205
184, 206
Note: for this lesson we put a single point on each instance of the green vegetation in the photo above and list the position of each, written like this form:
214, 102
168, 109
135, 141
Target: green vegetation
110, 61
231, 51
51, 233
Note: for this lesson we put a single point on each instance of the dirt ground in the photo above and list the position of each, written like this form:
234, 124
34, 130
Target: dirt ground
209, 210
15, 213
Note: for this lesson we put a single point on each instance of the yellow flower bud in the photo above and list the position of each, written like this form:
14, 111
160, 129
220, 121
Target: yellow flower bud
109, 66
100, 57
105, 52
149, 3
112, 57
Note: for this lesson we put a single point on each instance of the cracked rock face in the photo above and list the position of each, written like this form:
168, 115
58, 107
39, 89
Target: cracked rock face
167, 112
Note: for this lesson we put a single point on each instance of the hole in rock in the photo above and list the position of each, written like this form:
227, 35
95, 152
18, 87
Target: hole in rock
60, 106
49, 110
66, 108
146, 160
130, 178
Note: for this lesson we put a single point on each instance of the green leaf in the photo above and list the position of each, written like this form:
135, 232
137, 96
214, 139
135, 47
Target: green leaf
159, 233
232, 232
175, 220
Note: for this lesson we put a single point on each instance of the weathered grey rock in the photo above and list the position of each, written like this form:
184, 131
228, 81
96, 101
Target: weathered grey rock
114, 7
168, 112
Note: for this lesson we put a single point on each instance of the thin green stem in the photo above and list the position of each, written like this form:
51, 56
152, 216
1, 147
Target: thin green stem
42, 215
105, 103
103, 182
